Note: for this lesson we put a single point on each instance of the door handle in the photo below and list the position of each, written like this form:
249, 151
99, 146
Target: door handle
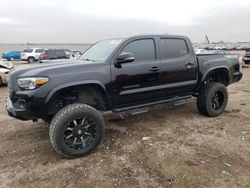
189, 65
154, 69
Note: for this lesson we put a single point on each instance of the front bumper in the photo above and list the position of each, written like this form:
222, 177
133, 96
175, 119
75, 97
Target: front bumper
14, 112
26, 108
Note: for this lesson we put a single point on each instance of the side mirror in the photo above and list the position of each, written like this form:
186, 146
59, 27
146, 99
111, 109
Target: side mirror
125, 57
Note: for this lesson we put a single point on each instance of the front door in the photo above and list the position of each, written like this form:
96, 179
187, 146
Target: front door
136, 81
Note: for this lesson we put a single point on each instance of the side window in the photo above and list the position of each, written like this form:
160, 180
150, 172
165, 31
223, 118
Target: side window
28, 50
143, 49
60, 53
39, 51
173, 48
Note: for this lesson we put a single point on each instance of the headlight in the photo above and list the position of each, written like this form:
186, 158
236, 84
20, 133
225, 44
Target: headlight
31, 83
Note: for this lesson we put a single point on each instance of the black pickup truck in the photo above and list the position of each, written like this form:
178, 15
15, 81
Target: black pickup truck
118, 75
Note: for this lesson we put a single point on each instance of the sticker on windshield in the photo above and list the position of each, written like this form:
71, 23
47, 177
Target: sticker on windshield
115, 42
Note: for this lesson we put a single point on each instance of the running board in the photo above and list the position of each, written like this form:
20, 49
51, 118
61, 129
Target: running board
137, 111
180, 102
153, 103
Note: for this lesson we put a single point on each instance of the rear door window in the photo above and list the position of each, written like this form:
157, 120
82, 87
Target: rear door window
39, 51
173, 48
60, 53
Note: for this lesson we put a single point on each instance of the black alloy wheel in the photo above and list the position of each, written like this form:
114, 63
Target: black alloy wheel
79, 133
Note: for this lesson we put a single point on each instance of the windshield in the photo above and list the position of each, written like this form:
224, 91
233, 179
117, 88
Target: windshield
100, 51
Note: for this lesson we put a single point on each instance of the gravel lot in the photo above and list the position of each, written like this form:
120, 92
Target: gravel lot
166, 147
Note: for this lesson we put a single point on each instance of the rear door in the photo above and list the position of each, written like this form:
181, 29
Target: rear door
178, 66
60, 54
137, 81
38, 52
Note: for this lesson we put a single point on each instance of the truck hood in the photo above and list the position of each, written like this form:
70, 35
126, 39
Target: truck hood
55, 60
48, 68
63, 72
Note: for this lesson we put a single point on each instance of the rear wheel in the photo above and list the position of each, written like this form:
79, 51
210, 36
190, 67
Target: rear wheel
12, 58
31, 60
76, 130
212, 99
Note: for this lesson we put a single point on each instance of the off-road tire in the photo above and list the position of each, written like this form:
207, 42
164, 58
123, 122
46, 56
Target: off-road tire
205, 99
63, 118
31, 60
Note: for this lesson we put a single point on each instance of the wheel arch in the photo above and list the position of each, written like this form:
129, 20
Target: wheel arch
96, 87
11, 57
221, 72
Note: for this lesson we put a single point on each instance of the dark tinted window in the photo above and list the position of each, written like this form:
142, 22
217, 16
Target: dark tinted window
50, 52
39, 51
60, 53
28, 50
173, 48
142, 49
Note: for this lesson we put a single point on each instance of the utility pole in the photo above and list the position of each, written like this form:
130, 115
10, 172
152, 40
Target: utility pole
207, 40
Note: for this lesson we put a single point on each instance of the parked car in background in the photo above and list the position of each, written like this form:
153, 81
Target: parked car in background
201, 46
219, 52
32, 54
210, 46
51, 54
4, 70
11, 55
202, 51
246, 58
219, 47
244, 47
231, 46
76, 54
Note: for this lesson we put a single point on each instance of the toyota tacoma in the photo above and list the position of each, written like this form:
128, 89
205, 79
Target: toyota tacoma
117, 75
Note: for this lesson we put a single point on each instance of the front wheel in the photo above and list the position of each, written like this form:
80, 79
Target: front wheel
76, 130
12, 58
212, 99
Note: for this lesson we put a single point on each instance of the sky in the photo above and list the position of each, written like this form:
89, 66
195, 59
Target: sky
87, 21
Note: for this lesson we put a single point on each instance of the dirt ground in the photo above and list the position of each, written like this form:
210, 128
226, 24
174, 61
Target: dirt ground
166, 147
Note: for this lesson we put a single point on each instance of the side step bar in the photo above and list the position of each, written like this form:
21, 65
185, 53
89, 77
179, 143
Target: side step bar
180, 101
137, 111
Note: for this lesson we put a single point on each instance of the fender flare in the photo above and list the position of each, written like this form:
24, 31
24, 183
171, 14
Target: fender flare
214, 69
77, 83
